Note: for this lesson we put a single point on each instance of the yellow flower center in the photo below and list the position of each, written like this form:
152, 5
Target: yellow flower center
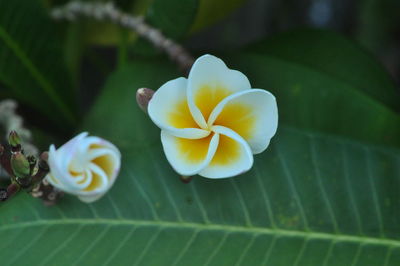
236, 116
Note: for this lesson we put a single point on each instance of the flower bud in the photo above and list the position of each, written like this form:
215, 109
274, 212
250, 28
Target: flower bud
14, 140
143, 97
85, 166
20, 165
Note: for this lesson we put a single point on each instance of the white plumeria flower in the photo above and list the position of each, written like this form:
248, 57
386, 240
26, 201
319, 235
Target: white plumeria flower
85, 166
213, 122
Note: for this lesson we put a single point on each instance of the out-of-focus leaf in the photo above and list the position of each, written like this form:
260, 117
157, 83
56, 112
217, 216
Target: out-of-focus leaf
32, 65
210, 11
311, 199
329, 87
378, 21
173, 17
333, 55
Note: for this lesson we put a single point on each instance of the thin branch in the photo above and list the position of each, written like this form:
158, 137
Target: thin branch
107, 11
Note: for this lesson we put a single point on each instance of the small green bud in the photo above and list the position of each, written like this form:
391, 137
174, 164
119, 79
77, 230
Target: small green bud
14, 140
20, 165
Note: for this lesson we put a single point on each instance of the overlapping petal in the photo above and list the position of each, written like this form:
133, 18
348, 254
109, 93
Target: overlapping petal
189, 156
253, 114
85, 166
213, 123
169, 110
209, 82
232, 157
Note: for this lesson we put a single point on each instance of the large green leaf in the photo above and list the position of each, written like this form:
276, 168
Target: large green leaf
211, 11
310, 199
172, 17
176, 17
32, 65
332, 54
336, 97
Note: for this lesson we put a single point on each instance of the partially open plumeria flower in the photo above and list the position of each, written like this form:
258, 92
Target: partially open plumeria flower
85, 166
213, 122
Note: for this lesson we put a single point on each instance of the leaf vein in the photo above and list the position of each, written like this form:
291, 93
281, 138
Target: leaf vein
242, 203
349, 190
321, 185
93, 244
374, 192
216, 250
40, 79
265, 197
300, 255
145, 197
186, 248
246, 250
292, 187
148, 245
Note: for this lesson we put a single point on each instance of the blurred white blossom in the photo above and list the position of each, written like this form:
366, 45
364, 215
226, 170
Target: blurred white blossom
85, 166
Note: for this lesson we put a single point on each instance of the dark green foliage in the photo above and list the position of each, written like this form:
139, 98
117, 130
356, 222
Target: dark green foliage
326, 191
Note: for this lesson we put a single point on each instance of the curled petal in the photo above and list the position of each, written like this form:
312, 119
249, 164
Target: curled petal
253, 114
189, 156
210, 81
85, 166
169, 110
233, 155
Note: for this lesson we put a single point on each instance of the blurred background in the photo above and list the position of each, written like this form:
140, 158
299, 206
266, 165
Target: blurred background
374, 24
92, 49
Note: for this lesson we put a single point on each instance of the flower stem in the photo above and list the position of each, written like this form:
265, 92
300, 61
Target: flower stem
186, 179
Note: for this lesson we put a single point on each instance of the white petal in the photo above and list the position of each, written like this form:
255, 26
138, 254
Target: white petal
85, 166
103, 153
72, 144
58, 163
253, 114
88, 176
210, 81
99, 182
189, 156
233, 155
98, 189
169, 110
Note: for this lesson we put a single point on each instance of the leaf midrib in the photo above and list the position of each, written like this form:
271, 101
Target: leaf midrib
44, 84
209, 227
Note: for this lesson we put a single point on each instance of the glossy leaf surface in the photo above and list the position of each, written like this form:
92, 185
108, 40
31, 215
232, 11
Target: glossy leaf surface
310, 199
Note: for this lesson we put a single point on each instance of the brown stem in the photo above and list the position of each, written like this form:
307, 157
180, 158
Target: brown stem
7, 193
12, 189
186, 179
107, 11
43, 169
